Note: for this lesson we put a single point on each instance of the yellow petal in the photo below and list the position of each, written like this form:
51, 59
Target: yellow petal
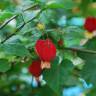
40, 26
89, 35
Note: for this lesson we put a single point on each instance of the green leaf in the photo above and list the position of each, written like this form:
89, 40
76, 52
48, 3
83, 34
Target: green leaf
72, 36
66, 4
60, 75
91, 44
5, 15
55, 5
89, 70
14, 49
4, 65
42, 91
92, 92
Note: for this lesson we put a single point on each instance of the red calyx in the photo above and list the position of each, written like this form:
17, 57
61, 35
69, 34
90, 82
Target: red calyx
90, 24
35, 68
60, 42
45, 49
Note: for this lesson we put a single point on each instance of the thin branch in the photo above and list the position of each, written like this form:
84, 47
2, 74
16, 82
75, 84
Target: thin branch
22, 25
15, 16
19, 28
5, 23
7, 38
36, 15
80, 50
31, 7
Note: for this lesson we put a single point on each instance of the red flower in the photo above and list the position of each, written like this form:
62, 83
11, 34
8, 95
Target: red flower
35, 68
90, 24
45, 49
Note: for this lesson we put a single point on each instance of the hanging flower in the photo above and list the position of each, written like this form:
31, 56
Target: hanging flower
45, 49
90, 24
35, 68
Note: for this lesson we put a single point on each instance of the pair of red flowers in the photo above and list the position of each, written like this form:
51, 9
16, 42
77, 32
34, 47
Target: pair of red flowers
90, 24
46, 51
